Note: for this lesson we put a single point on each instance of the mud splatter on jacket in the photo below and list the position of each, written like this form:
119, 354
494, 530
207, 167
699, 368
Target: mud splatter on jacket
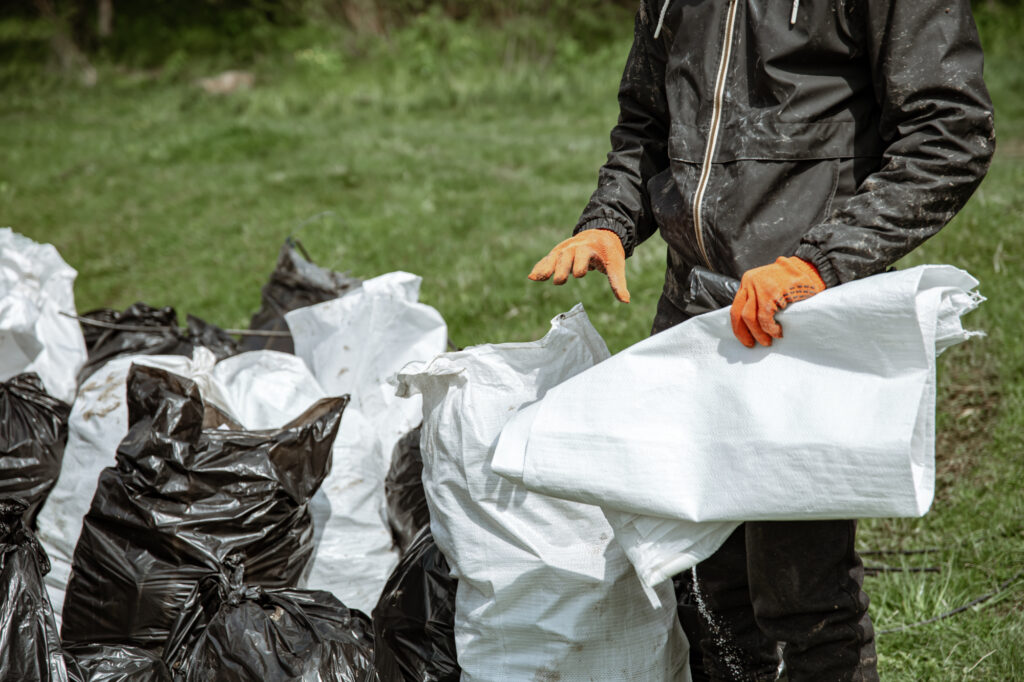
846, 138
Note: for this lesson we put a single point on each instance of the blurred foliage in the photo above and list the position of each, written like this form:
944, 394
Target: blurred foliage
165, 34
148, 34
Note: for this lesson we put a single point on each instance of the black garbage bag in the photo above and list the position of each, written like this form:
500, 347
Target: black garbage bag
92, 332
295, 283
403, 489
190, 488
29, 644
230, 631
103, 345
154, 331
707, 291
33, 433
114, 663
202, 333
414, 621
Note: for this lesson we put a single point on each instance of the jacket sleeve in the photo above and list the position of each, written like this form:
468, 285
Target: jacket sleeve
639, 141
936, 123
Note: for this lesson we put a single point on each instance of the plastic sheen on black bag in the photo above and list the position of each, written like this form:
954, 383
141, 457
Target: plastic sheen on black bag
189, 489
414, 621
403, 489
202, 333
33, 433
295, 283
29, 644
154, 331
103, 345
230, 631
114, 663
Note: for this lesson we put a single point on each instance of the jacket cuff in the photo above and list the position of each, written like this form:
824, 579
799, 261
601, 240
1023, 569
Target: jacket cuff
625, 234
817, 258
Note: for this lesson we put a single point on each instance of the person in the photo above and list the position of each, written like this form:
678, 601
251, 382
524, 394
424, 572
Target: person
798, 145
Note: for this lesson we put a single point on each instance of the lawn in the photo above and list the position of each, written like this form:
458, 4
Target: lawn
462, 153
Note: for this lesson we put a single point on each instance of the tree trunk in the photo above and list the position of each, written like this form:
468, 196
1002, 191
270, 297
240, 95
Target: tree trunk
105, 18
363, 15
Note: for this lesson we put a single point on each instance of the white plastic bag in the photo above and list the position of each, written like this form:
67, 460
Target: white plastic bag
544, 591
355, 344
36, 286
260, 390
687, 433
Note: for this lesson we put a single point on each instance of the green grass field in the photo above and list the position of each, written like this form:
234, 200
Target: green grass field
462, 153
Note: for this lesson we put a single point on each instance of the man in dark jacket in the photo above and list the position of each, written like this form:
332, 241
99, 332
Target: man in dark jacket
798, 145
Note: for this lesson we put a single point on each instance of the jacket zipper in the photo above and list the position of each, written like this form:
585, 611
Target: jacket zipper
716, 123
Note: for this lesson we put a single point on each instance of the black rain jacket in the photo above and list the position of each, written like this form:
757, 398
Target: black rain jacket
846, 138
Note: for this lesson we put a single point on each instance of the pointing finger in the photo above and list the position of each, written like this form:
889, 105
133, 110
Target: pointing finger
544, 268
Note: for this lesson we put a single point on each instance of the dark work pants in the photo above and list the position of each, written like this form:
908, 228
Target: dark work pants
774, 582
797, 582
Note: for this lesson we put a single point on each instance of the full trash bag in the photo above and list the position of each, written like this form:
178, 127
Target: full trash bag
295, 283
36, 298
29, 644
356, 344
190, 488
231, 631
259, 389
403, 487
33, 433
97, 424
148, 331
114, 663
414, 622
202, 333
544, 590
163, 338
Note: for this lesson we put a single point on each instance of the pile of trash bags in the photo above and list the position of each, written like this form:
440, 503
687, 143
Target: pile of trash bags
334, 496
177, 504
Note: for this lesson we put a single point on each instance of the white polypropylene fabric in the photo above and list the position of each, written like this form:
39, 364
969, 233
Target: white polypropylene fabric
687, 433
544, 591
36, 286
355, 344
263, 389
259, 390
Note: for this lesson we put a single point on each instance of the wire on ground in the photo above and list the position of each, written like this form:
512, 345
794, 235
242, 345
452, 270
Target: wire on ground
156, 328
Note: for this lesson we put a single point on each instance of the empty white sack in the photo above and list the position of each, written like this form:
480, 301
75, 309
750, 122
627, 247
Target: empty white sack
544, 591
687, 433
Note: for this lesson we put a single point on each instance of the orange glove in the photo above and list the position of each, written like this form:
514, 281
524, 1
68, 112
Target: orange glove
589, 250
766, 290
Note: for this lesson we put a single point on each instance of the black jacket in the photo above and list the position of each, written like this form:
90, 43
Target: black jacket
846, 138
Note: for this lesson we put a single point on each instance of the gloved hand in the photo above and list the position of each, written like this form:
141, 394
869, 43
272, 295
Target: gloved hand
589, 250
766, 290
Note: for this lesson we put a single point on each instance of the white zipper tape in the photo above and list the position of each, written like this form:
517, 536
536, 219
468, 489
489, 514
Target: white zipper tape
716, 124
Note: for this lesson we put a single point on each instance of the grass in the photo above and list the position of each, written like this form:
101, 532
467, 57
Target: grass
463, 153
